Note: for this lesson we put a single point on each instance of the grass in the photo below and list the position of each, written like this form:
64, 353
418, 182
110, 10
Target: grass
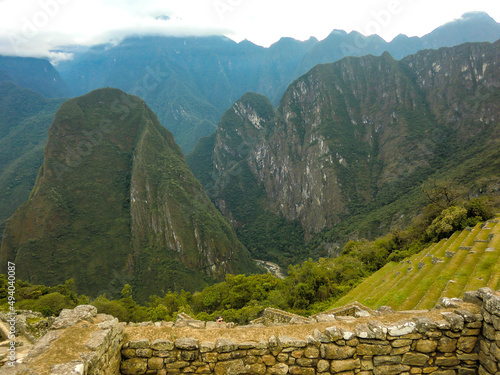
405, 285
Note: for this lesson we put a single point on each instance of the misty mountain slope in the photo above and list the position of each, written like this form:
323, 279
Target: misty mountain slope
34, 74
115, 197
358, 137
471, 27
190, 82
25, 117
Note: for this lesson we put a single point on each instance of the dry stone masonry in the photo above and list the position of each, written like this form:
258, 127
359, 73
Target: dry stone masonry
460, 337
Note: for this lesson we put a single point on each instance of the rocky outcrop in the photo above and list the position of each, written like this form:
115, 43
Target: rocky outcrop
335, 144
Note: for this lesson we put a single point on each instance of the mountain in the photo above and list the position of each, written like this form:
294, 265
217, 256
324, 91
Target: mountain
189, 82
115, 203
353, 141
471, 27
35, 74
25, 117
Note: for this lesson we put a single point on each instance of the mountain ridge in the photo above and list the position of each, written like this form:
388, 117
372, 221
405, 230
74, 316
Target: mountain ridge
206, 89
333, 150
114, 196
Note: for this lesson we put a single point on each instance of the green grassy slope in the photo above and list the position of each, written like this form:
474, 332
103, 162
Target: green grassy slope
468, 260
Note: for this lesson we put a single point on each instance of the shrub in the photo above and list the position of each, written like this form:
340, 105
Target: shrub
51, 304
450, 220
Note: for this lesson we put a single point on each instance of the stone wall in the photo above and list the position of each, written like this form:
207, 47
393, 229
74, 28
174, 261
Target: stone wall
414, 346
489, 353
457, 338
79, 342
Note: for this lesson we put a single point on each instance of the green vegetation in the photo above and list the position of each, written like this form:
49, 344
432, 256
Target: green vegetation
115, 197
362, 272
25, 118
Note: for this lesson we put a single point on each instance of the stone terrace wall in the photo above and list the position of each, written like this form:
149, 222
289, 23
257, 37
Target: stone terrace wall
489, 354
79, 342
463, 339
420, 345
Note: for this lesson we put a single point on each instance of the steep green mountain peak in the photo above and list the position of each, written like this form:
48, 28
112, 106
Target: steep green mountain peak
114, 202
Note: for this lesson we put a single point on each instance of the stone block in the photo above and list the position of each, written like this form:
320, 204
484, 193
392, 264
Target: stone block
468, 316
415, 359
268, 359
467, 371
488, 362
138, 344
447, 361
456, 321
311, 352
69, 317
390, 369
209, 357
256, 369
134, 366
204, 369
401, 342
287, 341
144, 353
186, 343
381, 360
333, 351
402, 328
468, 357
344, 365
426, 346
297, 370
155, 363
176, 365
234, 367
322, 365
189, 355
447, 345
128, 353
162, 345
495, 351
206, 347
489, 331
467, 343
247, 345
424, 324
321, 337
400, 351
278, 369
238, 354
307, 362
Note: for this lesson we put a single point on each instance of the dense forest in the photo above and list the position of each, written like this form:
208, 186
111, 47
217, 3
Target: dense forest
309, 288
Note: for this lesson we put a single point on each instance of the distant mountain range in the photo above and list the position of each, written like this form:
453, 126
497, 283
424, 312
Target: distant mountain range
35, 74
190, 82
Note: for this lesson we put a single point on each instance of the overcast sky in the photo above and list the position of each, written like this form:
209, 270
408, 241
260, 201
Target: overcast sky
39, 27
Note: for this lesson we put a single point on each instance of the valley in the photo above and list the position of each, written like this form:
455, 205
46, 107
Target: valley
174, 162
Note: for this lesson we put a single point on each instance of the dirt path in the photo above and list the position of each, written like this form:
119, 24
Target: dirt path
271, 267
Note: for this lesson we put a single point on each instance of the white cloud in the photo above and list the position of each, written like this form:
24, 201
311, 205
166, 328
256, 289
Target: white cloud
39, 27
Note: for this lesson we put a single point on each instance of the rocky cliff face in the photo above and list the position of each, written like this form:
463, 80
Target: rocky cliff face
114, 202
361, 132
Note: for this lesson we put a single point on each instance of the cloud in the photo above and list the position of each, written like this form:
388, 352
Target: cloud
40, 27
